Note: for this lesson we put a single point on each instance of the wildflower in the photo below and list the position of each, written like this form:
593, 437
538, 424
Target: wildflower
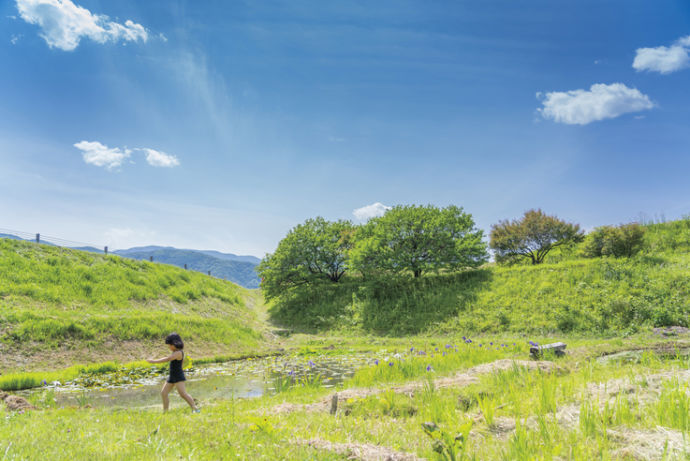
464, 338
480, 345
412, 349
291, 373
421, 353
376, 362
448, 346
390, 364
44, 382
491, 343
444, 353
311, 364
436, 349
397, 356
428, 368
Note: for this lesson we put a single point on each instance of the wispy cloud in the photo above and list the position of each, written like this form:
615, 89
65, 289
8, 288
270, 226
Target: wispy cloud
601, 101
664, 59
63, 24
160, 159
98, 154
371, 211
15, 39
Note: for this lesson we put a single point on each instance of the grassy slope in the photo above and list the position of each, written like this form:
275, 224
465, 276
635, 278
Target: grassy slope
65, 305
581, 294
567, 293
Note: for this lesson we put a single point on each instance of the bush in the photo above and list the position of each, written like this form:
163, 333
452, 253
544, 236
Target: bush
624, 240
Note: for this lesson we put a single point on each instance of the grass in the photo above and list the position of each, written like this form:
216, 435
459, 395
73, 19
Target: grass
568, 293
553, 415
57, 301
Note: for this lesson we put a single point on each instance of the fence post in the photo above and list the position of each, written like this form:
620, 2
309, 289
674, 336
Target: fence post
185, 267
151, 258
38, 238
209, 272
105, 250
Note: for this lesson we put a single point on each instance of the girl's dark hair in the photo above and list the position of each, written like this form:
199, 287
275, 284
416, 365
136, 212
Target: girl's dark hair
175, 340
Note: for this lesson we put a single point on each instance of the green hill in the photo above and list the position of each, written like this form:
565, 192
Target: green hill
60, 306
220, 265
567, 293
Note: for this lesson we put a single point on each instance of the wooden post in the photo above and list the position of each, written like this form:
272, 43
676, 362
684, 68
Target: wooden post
105, 250
209, 272
185, 267
151, 258
38, 238
334, 403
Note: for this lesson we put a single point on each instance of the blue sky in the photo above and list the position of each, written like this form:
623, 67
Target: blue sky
221, 125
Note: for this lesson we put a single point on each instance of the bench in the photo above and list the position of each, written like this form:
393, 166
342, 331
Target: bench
556, 348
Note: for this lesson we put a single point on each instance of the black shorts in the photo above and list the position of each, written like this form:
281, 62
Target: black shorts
176, 379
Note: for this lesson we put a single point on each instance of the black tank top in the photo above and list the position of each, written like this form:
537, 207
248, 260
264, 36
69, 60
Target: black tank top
176, 373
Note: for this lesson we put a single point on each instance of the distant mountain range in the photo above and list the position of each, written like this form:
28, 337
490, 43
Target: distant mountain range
238, 269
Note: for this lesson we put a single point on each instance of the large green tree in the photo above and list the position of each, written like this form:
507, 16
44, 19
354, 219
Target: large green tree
418, 239
313, 251
531, 237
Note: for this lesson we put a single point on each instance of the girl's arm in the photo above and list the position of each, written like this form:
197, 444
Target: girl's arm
174, 356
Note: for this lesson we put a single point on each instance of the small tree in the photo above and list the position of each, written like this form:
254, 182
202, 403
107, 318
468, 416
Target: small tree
624, 240
313, 251
532, 236
418, 239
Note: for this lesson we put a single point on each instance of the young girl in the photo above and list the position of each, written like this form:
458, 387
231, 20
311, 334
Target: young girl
176, 378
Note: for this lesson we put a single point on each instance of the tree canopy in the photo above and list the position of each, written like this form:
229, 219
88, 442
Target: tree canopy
532, 236
313, 251
418, 239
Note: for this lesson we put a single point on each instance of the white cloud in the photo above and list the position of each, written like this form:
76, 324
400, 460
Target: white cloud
63, 24
370, 211
661, 59
664, 59
156, 158
601, 101
15, 39
98, 154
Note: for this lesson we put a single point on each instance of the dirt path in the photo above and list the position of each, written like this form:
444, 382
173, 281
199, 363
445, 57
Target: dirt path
462, 379
361, 451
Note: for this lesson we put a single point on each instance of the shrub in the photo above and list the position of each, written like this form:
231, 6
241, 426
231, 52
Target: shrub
624, 240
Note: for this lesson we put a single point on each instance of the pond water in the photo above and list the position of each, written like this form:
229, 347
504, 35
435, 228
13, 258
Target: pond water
237, 379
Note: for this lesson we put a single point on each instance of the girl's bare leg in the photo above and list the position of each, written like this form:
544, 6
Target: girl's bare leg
183, 393
164, 395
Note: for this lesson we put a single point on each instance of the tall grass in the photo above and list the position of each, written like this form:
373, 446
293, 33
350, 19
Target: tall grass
54, 295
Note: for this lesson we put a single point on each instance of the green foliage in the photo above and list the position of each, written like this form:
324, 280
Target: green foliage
624, 240
417, 240
532, 236
449, 446
311, 252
